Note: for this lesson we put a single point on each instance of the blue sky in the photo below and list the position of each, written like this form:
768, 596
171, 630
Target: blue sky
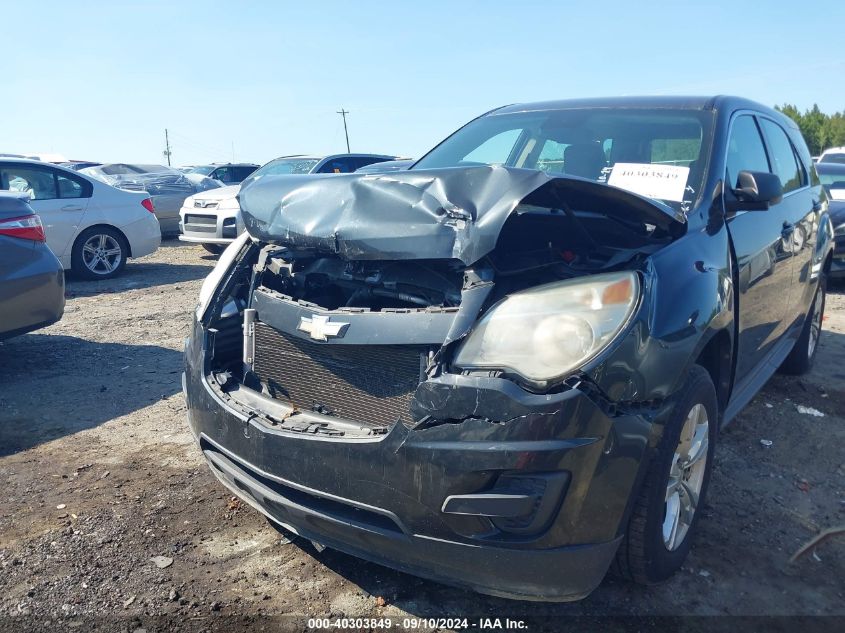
101, 80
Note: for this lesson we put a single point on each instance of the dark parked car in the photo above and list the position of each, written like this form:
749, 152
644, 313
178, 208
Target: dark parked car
832, 177
32, 281
506, 367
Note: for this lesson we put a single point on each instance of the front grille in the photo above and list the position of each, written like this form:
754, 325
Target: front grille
363, 383
200, 219
199, 228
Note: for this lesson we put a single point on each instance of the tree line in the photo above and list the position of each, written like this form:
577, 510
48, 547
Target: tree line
820, 130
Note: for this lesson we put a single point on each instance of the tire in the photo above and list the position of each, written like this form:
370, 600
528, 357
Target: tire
99, 252
649, 553
214, 249
800, 359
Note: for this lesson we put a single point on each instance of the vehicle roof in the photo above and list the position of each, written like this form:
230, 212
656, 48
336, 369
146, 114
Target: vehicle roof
833, 150
689, 102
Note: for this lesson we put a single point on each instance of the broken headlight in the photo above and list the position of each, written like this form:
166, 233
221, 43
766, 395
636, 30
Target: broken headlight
546, 332
209, 285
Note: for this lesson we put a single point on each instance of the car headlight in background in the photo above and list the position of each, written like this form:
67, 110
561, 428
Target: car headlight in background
209, 285
544, 333
188, 202
229, 204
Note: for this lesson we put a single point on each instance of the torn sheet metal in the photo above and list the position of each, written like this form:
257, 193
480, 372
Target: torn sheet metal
454, 213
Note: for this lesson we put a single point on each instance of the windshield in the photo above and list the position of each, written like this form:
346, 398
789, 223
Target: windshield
283, 166
657, 153
833, 158
202, 169
834, 183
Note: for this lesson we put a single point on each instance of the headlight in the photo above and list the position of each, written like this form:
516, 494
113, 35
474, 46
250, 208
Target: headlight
229, 203
209, 285
188, 202
546, 332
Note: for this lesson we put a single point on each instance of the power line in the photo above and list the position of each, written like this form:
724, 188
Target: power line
343, 113
167, 151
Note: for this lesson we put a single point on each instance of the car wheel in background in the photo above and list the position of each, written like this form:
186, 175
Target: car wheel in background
800, 359
99, 252
214, 249
669, 503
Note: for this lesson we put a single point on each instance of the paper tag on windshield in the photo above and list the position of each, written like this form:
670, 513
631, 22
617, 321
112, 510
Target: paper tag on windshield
664, 182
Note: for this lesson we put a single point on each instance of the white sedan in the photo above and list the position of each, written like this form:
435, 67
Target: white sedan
91, 227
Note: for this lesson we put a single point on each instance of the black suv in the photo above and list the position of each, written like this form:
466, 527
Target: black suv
506, 368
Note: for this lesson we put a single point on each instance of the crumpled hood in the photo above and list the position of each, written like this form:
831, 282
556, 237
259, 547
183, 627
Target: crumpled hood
454, 213
221, 193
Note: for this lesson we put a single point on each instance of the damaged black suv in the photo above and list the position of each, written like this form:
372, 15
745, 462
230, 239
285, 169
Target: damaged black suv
506, 368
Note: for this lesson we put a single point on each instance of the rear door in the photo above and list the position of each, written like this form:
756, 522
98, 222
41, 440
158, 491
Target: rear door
762, 251
801, 207
59, 198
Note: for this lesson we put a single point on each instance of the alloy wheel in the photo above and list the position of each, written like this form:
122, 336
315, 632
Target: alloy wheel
686, 477
815, 322
102, 254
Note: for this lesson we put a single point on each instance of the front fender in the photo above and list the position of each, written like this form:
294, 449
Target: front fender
687, 299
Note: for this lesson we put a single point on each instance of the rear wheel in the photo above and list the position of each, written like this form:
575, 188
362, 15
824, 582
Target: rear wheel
99, 252
800, 359
214, 249
667, 509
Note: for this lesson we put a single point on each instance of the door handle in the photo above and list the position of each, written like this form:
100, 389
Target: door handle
71, 207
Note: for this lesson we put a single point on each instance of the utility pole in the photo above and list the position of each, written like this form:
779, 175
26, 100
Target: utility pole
166, 151
343, 113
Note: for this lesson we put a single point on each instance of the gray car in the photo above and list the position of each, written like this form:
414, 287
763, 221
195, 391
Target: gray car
167, 187
32, 282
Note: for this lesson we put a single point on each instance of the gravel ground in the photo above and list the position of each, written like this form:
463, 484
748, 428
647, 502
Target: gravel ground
100, 476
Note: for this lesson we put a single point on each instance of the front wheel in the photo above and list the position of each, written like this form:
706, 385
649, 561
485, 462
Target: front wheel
668, 506
99, 252
800, 359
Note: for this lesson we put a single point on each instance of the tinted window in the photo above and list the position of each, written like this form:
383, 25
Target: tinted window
550, 159
70, 187
784, 162
36, 181
363, 161
243, 172
746, 151
337, 166
223, 174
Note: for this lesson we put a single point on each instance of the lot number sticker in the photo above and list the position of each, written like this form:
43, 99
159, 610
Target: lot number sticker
664, 182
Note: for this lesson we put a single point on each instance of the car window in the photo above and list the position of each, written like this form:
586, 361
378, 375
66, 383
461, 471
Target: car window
241, 173
36, 181
70, 187
223, 174
495, 150
363, 161
833, 158
784, 163
746, 151
337, 166
550, 159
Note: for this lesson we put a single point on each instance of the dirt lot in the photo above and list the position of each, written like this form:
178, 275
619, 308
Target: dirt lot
100, 474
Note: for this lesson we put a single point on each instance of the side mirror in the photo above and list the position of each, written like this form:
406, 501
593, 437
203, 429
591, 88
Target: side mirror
757, 191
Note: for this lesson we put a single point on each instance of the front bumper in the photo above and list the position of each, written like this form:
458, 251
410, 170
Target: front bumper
209, 225
382, 498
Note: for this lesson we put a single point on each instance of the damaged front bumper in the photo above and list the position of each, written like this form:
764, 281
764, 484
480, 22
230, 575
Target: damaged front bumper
519, 495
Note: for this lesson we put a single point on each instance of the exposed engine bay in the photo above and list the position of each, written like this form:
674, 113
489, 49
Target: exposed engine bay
344, 331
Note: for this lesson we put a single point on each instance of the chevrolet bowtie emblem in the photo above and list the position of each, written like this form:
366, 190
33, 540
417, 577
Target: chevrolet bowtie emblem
320, 328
